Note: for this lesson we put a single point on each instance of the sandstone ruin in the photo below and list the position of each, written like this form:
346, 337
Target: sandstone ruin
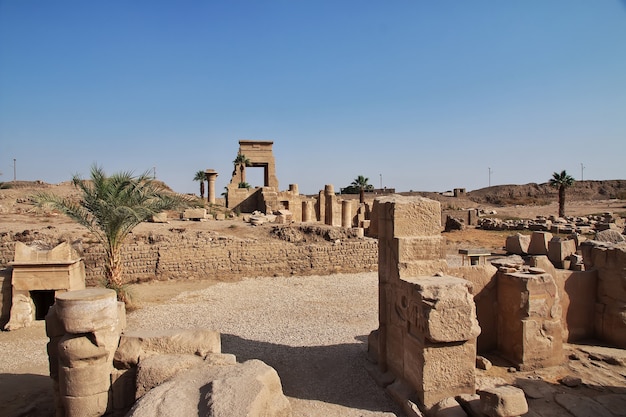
99, 369
434, 318
37, 275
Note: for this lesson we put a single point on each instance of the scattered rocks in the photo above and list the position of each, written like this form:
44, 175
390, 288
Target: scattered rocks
571, 381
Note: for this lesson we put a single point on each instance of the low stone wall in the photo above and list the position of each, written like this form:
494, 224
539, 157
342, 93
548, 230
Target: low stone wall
199, 257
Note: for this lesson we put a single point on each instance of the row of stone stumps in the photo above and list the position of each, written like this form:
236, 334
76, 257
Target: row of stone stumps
84, 328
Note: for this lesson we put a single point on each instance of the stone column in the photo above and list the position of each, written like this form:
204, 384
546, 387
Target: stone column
294, 189
329, 198
91, 322
346, 213
307, 211
211, 175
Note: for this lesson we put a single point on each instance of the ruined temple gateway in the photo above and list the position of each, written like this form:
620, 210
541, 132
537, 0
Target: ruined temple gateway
267, 198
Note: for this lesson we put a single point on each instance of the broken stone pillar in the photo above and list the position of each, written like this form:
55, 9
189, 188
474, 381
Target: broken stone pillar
346, 213
332, 217
307, 211
91, 322
293, 188
211, 176
529, 320
427, 324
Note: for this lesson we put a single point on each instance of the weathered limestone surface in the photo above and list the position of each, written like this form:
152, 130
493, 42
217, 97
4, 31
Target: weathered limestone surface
138, 344
503, 401
539, 243
517, 244
610, 262
559, 251
84, 328
427, 324
55, 270
577, 291
154, 370
529, 320
248, 389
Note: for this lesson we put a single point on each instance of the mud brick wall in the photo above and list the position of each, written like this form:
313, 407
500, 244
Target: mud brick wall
232, 259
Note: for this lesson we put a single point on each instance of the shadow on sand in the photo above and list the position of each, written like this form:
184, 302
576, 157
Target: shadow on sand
332, 374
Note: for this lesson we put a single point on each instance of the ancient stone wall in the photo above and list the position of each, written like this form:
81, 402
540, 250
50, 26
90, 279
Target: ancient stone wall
200, 257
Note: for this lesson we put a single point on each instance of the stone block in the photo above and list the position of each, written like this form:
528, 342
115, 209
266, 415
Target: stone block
529, 320
559, 250
448, 407
159, 218
142, 343
442, 310
439, 371
517, 244
539, 243
85, 381
22, 311
250, 389
123, 388
504, 401
419, 248
154, 370
195, 214
76, 350
88, 310
92, 406
414, 216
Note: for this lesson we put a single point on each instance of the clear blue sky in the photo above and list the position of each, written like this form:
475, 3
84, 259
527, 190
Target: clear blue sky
428, 94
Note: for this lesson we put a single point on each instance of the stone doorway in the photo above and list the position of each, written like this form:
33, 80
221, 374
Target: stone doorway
43, 300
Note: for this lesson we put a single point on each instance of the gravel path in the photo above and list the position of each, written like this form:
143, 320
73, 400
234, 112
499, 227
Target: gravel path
312, 330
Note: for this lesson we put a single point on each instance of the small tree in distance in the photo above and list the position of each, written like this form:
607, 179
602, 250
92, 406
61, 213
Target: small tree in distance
562, 181
110, 207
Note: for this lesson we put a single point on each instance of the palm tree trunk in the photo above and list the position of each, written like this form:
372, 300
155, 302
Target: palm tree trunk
202, 189
561, 201
243, 172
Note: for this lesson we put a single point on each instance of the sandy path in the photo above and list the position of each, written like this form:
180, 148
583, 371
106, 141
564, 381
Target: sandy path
312, 330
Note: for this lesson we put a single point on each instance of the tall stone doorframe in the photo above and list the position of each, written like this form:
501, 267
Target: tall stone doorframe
426, 339
260, 155
38, 276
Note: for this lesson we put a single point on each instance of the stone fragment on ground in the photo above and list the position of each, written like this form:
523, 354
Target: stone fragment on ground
250, 389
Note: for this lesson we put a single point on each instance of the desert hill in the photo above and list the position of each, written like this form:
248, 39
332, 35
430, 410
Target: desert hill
533, 193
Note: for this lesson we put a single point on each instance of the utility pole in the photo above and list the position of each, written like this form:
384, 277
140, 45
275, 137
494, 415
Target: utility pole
14, 171
489, 176
154, 173
582, 169
381, 181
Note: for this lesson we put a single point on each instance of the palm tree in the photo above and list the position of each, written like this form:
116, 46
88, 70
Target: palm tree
110, 207
562, 181
243, 162
200, 176
361, 183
